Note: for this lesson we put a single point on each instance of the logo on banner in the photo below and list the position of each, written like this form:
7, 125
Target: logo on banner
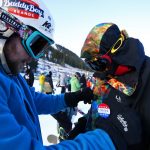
24, 8
104, 110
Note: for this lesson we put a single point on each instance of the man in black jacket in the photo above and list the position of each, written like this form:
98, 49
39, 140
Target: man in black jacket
123, 79
49, 80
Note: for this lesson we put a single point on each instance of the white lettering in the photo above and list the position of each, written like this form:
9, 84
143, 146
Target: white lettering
35, 10
25, 13
123, 122
25, 6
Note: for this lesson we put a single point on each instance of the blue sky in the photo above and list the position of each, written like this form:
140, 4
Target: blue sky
74, 19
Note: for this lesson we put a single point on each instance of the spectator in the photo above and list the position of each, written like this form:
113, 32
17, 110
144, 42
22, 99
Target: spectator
68, 84
75, 84
42, 81
48, 86
62, 82
88, 82
83, 81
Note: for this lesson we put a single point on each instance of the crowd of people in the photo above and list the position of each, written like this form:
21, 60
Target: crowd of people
119, 96
67, 83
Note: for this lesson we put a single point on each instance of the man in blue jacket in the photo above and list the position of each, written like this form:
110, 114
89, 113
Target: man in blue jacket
26, 32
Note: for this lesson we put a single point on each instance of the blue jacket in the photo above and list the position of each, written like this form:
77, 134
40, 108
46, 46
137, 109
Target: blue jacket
20, 106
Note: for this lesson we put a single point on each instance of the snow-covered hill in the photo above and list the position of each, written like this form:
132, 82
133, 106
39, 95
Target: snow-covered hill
46, 66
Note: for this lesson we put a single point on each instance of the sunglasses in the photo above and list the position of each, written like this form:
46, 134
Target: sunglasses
118, 44
34, 42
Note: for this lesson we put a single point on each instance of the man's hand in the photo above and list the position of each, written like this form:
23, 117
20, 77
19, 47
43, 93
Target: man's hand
79, 128
73, 98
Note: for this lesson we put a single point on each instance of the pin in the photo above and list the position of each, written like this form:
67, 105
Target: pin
104, 110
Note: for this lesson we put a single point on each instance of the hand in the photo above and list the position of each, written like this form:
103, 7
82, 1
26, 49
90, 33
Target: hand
86, 95
73, 98
63, 120
124, 128
79, 128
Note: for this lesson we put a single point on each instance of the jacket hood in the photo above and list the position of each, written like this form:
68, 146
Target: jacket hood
100, 39
104, 39
131, 54
107, 39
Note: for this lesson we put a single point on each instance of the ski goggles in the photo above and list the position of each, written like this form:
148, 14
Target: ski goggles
101, 63
98, 64
36, 44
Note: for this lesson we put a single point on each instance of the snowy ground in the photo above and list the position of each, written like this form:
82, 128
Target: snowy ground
48, 123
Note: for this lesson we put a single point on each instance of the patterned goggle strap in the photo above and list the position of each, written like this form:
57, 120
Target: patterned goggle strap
8, 21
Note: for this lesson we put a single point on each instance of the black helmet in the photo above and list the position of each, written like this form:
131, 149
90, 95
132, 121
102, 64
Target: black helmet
78, 74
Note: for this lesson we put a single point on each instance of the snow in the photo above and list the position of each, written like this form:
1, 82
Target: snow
45, 66
48, 123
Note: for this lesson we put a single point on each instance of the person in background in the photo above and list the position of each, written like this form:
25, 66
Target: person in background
75, 82
68, 84
62, 82
75, 86
83, 81
88, 82
48, 85
29, 76
42, 82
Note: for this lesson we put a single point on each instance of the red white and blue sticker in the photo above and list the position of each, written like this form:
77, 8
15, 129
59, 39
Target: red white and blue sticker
104, 110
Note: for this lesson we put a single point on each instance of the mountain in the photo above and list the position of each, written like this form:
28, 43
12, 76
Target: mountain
62, 56
58, 57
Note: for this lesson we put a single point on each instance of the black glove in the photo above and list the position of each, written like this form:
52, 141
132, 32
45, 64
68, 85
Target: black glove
124, 128
63, 120
79, 128
73, 98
